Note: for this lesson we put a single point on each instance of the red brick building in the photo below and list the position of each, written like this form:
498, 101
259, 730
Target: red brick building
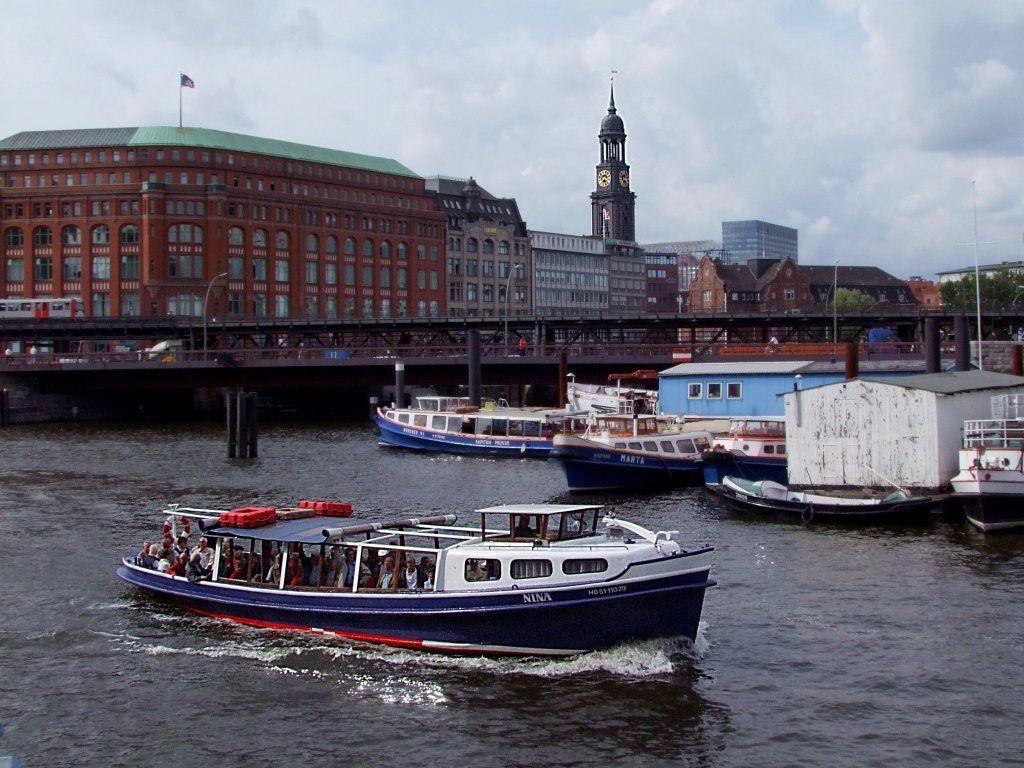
150, 221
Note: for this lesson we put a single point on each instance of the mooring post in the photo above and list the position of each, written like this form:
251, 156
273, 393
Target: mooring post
399, 385
231, 401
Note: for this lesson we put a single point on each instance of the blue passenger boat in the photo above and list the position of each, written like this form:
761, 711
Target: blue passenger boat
452, 425
630, 453
754, 449
529, 579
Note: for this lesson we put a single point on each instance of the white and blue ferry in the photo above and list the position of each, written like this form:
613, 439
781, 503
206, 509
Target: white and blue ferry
637, 452
451, 425
754, 449
529, 579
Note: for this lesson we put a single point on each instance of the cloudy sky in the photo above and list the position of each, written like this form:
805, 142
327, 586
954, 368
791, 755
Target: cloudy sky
874, 127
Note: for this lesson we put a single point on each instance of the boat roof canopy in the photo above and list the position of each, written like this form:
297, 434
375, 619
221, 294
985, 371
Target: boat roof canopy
536, 509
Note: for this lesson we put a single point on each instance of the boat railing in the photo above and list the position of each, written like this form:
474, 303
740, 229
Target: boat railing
994, 433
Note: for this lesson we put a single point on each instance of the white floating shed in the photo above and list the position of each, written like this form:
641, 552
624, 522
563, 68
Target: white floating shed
871, 433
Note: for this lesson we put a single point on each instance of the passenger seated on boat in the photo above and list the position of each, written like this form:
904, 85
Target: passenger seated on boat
474, 572
181, 545
179, 566
274, 574
409, 578
205, 553
194, 570
294, 576
237, 566
164, 561
144, 558
523, 529
350, 569
428, 582
386, 579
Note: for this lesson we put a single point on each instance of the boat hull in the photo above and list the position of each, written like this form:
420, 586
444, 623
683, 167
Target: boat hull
992, 497
913, 510
550, 622
717, 464
398, 435
590, 467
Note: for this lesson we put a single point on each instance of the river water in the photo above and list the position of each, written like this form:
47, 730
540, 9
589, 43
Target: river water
820, 645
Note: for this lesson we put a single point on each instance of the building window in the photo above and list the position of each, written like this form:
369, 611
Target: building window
281, 240
367, 276
101, 304
43, 268
331, 244
236, 236
14, 238
16, 270
368, 248
42, 236
350, 246
471, 245
259, 304
312, 243
71, 236
101, 235
281, 273
715, 390
789, 294
694, 391
734, 390
331, 274
130, 267
311, 274
130, 235
259, 238
259, 269
72, 268
281, 305
100, 267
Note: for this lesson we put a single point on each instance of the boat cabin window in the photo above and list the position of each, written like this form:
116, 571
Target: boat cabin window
779, 449
403, 418
585, 565
636, 445
438, 422
650, 445
769, 449
527, 527
702, 443
419, 420
530, 569
667, 447
482, 570
621, 445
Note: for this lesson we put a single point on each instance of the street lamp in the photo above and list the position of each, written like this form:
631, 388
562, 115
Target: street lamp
206, 302
508, 287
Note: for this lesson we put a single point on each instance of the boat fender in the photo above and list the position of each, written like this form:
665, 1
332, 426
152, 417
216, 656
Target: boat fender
808, 514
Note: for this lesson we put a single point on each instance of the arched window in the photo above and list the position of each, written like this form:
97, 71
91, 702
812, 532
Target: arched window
42, 236
259, 238
368, 247
403, 251
385, 250
71, 235
312, 243
503, 248
100, 234
14, 237
350, 246
331, 244
488, 245
129, 234
236, 236
471, 245
281, 240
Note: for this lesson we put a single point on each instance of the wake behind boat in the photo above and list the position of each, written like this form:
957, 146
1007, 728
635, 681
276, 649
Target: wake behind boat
529, 579
452, 425
767, 496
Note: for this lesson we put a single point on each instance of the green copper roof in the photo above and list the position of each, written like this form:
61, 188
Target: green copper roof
204, 138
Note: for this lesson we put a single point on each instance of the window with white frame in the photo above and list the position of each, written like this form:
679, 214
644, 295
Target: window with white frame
714, 390
695, 390
734, 390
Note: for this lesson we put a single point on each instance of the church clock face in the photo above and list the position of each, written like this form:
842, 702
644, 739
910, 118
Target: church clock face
604, 177
623, 178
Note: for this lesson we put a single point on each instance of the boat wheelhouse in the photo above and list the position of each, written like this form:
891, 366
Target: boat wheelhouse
528, 579
636, 453
615, 397
452, 425
754, 449
990, 481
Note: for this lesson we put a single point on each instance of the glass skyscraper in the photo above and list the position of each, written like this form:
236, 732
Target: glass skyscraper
746, 240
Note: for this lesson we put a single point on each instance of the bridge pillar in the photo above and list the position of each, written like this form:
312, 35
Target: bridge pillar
473, 339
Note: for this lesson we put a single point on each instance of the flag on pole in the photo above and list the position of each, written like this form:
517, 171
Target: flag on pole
607, 215
187, 82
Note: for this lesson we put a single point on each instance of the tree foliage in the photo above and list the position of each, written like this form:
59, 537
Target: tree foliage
998, 291
850, 300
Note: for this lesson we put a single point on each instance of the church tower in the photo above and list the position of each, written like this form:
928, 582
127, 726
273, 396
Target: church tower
613, 203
